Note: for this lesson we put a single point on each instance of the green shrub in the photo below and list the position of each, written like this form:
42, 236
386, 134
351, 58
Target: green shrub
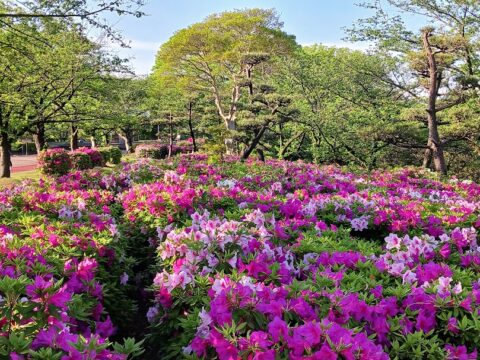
105, 152
115, 155
80, 161
111, 154
151, 151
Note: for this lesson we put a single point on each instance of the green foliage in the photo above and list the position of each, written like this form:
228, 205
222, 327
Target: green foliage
151, 151
340, 240
111, 154
80, 161
130, 347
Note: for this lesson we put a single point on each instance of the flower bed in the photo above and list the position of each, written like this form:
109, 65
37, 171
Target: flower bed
295, 261
60, 273
241, 260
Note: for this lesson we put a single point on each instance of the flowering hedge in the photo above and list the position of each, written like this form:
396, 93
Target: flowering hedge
274, 260
294, 261
60, 161
151, 151
60, 272
95, 156
54, 162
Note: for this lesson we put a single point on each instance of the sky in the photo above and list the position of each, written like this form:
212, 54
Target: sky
311, 21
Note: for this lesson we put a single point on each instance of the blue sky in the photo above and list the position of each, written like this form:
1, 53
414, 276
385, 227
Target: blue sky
311, 21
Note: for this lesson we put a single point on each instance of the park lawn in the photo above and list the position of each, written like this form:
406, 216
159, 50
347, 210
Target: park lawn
20, 176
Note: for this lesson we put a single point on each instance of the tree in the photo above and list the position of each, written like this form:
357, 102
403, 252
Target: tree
266, 110
443, 56
14, 79
170, 100
348, 115
125, 107
48, 66
210, 57
61, 91
72, 11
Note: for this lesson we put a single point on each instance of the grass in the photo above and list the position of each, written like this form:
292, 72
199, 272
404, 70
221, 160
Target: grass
20, 176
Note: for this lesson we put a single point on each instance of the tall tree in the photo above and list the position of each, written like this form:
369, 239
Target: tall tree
91, 12
266, 110
210, 56
444, 56
349, 115
125, 107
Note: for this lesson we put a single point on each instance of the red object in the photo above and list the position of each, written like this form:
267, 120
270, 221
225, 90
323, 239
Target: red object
17, 169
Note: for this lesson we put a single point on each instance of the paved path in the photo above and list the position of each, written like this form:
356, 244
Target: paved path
24, 163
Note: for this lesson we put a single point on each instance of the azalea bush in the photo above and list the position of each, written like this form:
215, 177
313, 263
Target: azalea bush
80, 160
296, 261
54, 162
95, 156
188, 258
151, 151
61, 277
60, 162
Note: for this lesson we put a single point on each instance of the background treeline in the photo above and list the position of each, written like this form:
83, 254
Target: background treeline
57, 78
243, 86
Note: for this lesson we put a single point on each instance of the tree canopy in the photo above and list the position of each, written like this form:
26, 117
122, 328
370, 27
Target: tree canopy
237, 83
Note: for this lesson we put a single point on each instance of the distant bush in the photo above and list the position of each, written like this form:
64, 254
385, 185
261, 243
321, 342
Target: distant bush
160, 151
59, 161
182, 149
151, 151
80, 160
115, 155
95, 156
55, 162
111, 154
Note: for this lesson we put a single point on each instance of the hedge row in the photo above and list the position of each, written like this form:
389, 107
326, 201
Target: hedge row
160, 151
60, 162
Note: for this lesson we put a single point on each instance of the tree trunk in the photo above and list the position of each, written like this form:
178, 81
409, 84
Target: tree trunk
316, 145
230, 118
230, 143
427, 156
284, 148
39, 137
190, 126
254, 143
248, 73
5, 155
261, 155
73, 137
280, 137
170, 136
300, 144
434, 143
128, 138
